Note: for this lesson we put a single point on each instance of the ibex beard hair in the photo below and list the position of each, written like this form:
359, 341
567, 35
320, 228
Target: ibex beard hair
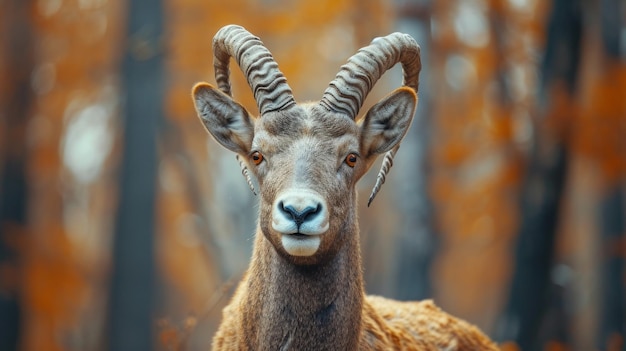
304, 288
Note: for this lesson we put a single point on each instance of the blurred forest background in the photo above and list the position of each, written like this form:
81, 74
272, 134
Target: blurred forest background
124, 227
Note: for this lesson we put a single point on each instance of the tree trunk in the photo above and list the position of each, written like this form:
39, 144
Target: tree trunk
612, 289
612, 325
133, 281
15, 101
417, 242
542, 190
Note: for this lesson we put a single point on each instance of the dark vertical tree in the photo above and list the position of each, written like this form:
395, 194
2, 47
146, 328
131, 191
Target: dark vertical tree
417, 242
613, 292
542, 189
612, 325
133, 275
15, 101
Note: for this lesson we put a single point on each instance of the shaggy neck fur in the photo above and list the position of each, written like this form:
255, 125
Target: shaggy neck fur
291, 307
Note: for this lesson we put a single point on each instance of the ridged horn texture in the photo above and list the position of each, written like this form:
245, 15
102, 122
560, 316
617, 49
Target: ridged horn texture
246, 173
382, 174
347, 92
268, 84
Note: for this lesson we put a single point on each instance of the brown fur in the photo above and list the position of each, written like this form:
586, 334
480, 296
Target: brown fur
394, 325
384, 324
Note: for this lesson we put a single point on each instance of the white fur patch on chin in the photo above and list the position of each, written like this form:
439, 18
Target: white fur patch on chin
300, 245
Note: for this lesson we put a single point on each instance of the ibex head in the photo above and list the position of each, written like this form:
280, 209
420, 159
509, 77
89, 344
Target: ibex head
308, 157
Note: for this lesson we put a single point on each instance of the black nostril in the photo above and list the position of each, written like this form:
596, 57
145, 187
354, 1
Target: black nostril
300, 216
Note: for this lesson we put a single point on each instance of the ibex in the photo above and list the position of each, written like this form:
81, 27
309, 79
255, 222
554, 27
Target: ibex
303, 289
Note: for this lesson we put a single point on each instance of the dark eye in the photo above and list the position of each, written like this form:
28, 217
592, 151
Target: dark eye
256, 157
351, 159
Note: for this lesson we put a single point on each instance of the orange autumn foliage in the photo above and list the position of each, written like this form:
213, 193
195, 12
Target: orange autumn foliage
479, 146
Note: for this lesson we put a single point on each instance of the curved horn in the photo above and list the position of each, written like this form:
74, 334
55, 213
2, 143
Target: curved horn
357, 77
268, 84
382, 174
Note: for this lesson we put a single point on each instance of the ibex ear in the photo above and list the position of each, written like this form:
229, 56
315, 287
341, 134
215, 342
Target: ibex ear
227, 121
386, 123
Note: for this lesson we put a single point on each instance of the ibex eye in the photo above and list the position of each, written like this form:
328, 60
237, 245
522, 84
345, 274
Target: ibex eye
351, 159
256, 157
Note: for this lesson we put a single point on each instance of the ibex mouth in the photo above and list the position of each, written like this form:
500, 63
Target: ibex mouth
298, 244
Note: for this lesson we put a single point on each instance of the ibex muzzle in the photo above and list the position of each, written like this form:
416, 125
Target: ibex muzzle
301, 216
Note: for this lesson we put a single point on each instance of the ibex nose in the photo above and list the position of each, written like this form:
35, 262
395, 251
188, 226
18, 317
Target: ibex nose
306, 214
300, 211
